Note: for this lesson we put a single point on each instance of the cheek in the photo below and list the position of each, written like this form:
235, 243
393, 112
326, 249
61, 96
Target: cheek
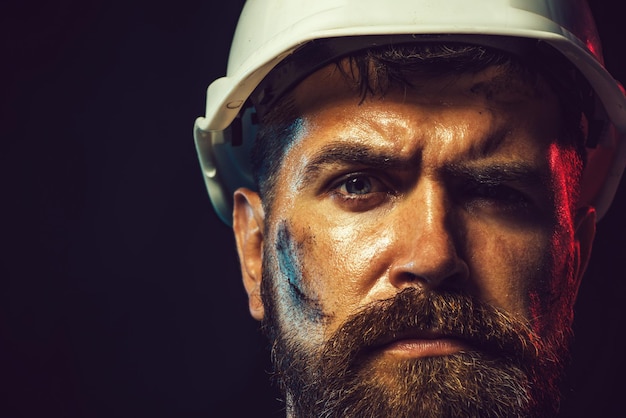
553, 300
295, 303
294, 290
344, 260
507, 267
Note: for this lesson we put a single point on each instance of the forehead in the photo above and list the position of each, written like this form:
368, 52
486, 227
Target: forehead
489, 103
497, 84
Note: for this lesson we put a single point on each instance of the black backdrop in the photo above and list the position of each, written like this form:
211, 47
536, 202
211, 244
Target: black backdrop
120, 293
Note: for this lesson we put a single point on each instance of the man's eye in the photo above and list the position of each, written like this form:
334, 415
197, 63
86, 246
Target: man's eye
360, 191
500, 195
357, 185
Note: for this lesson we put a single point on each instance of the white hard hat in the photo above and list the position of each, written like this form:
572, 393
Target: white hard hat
270, 31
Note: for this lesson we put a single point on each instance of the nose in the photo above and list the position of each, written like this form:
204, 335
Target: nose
430, 247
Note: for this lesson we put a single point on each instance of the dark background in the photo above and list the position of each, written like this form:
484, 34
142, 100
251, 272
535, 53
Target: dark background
120, 293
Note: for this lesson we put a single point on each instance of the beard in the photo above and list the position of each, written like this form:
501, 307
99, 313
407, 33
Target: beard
507, 370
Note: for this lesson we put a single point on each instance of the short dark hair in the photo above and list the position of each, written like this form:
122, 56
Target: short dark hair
374, 71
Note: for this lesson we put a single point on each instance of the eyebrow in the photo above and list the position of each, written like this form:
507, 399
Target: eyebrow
469, 167
518, 172
354, 154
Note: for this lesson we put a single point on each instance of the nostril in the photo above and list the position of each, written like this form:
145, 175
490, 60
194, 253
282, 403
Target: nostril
406, 278
414, 278
453, 275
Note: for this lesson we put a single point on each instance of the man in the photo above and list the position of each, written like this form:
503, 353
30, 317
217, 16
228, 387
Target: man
421, 202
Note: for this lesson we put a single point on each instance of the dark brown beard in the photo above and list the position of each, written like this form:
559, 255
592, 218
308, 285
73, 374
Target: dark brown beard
508, 372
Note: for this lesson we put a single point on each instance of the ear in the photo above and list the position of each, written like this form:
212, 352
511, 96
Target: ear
584, 234
248, 218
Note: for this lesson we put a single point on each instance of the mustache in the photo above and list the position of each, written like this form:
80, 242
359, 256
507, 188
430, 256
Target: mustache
418, 314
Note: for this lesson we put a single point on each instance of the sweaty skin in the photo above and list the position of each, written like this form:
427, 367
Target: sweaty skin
457, 184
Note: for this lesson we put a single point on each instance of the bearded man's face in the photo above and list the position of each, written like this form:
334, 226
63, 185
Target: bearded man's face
419, 256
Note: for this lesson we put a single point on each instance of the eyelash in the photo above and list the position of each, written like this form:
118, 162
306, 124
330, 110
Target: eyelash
378, 189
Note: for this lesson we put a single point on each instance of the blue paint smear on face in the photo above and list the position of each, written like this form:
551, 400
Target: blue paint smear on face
288, 263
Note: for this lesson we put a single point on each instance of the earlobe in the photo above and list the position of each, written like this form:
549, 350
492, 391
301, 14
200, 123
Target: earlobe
584, 234
248, 218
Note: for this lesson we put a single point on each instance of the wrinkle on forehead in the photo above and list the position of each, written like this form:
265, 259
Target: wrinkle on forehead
486, 92
497, 83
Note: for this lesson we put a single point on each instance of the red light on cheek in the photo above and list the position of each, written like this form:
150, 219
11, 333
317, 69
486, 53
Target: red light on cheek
565, 167
559, 180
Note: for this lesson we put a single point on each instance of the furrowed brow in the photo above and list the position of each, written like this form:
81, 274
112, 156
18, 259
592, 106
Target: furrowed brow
498, 173
490, 145
352, 155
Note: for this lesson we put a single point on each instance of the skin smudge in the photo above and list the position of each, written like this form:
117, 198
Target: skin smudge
287, 254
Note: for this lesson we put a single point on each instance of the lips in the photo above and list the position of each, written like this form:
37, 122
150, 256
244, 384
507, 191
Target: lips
421, 343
